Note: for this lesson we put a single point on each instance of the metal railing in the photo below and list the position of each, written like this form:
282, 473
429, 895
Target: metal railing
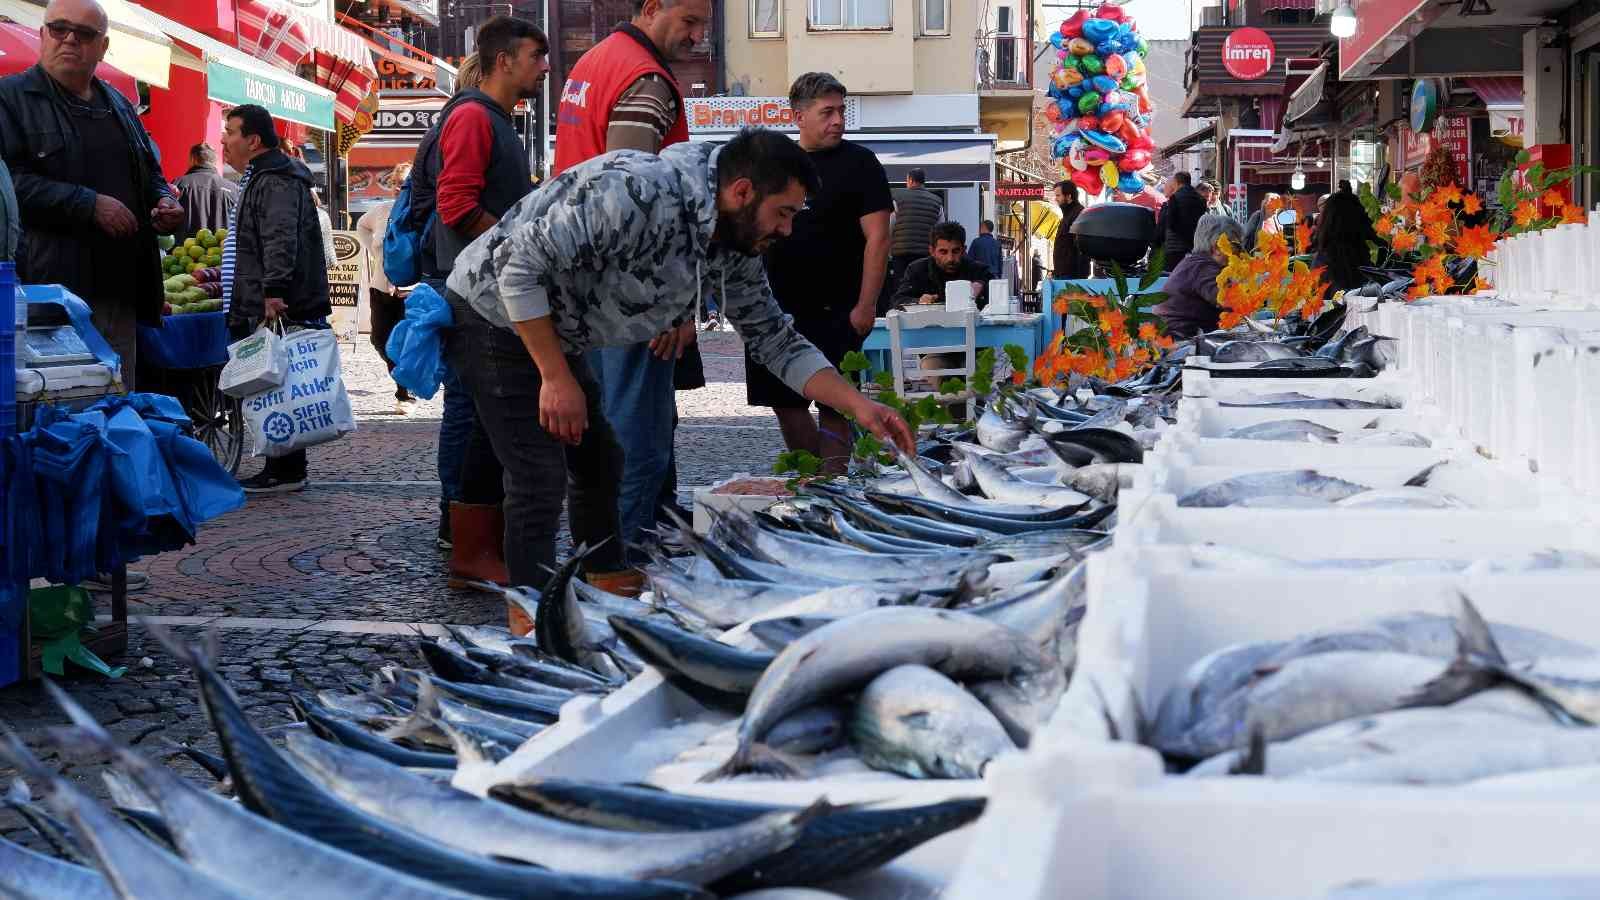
1005, 61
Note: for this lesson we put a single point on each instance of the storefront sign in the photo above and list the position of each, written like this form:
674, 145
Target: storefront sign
403, 121
1455, 132
235, 87
347, 283
1247, 53
1376, 21
1506, 125
1424, 105
725, 114
1018, 190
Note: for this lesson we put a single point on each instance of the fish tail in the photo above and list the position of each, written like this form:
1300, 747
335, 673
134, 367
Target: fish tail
85, 723
1254, 760
1478, 665
755, 759
1475, 638
422, 715
1421, 478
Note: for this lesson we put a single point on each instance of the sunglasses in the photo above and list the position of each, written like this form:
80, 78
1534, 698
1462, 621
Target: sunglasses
61, 29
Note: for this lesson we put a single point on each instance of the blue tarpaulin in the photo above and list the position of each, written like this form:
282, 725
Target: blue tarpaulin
189, 341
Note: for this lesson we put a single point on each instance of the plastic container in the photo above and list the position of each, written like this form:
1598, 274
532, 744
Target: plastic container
707, 499
1386, 386
1205, 417
1178, 448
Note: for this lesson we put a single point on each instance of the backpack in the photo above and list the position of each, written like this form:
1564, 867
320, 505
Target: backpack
410, 229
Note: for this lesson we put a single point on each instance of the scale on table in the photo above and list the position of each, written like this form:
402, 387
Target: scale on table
56, 361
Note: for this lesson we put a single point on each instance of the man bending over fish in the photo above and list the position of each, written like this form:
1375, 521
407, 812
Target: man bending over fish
613, 252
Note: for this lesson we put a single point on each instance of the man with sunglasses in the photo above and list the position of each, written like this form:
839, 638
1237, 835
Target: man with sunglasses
88, 181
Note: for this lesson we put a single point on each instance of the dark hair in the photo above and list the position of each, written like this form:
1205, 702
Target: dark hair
638, 5
1183, 177
1344, 186
813, 86
769, 159
202, 155
947, 231
920, 176
1066, 188
255, 121
501, 34
987, 225
1341, 241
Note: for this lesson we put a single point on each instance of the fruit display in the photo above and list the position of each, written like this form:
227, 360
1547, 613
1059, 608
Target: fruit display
1101, 114
198, 292
203, 250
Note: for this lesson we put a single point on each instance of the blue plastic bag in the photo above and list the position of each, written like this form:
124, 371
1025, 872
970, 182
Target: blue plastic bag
417, 346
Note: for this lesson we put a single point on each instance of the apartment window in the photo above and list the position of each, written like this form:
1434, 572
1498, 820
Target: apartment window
848, 14
936, 17
766, 18
1005, 45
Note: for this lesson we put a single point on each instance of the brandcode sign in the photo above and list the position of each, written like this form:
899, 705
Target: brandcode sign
1247, 53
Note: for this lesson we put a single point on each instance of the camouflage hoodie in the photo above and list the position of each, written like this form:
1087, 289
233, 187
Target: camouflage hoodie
618, 249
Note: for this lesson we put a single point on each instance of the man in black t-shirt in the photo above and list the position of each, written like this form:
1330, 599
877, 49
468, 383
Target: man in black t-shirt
829, 272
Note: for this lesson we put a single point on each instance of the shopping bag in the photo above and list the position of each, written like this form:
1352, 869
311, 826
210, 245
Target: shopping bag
255, 364
416, 344
310, 407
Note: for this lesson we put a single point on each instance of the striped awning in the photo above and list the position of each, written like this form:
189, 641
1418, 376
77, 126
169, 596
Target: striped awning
1501, 92
285, 37
1275, 5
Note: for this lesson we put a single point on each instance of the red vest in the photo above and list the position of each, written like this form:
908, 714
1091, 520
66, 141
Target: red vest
592, 90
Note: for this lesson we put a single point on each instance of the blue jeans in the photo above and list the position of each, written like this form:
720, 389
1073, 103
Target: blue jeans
469, 471
637, 396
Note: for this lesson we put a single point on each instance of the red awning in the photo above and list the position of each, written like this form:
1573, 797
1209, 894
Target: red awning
1272, 5
285, 38
1504, 92
19, 50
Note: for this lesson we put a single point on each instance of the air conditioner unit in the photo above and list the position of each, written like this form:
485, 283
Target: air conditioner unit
1210, 16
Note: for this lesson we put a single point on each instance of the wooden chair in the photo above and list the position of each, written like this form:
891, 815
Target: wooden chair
901, 321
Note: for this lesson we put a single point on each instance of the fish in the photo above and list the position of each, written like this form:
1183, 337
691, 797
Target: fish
1580, 886
1452, 761
1310, 403
1297, 364
332, 728
457, 667
848, 842
723, 602
1283, 430
432, 704
847, 654
1103, 445
1252, 351
559, 625
270, 786
1100, 481
1296, 483
537, 709
1385, 438
998, 433
826, 562
778, 633
457, 819
1402, 498
224, 841
991, 520
717, 675
999, 484
917, 722
28, 875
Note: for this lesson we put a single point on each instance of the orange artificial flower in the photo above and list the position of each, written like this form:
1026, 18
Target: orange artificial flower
1061, 306
1481, 284
1384, 226
1573, 215
1165, 342
1147, 331
1448, 194
1113, 321
1476, 242
1525, 213
1017, 378
1436, 232
1404, 241
1553, 199
1471, 205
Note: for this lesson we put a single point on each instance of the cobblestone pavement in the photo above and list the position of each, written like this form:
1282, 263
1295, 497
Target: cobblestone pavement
323, 586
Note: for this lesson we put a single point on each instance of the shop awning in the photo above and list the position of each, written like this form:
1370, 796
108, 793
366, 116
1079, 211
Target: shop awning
1381, 30
1501, 92
1308, 96
138, 46
235, 78
1280, 5
426, 10
19, 50
284, 37
1191, 141
954, 159
1043, 220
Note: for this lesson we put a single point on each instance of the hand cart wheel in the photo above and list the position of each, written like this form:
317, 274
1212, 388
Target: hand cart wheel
218, 420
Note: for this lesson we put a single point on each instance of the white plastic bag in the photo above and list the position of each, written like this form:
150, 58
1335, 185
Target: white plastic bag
310, 407
255, 364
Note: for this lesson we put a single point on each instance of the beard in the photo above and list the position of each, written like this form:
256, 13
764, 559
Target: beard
740, 231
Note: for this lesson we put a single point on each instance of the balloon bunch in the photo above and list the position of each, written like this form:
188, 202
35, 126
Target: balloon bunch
1098, 103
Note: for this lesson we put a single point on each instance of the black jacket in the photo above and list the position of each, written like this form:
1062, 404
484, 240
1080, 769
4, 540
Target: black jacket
916, 211
507, 180
279, 244
1179, 216
925, 277
207, 199
41, 146
1069, 263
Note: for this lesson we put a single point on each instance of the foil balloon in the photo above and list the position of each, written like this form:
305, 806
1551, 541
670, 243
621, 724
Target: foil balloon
1137, 159
1097, 30
1108, 142
1111, 11
1056, 40
1130, 164
1129, 132
1074, 154
1053, 112
1073, 93
1060, 78
1095, 156
1089, 102
1109, 175
1130, 183
1142, 142
1080, 47
1116, 66
1073, 26
1091, 65
1111, 121
1089, 181
1105, 84
1087, 123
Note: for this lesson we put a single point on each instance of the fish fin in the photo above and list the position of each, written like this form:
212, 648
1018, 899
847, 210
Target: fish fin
421, 717
1478, 664
1254, 760
1141, 722
1421, 478
125, 794
14, 751
1476, 639
521, 598
756, 758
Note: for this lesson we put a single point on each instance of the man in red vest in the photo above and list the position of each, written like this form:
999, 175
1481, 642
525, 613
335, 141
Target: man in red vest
622, 96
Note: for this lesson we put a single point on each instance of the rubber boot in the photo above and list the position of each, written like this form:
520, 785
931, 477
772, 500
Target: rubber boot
626, 583
477, 552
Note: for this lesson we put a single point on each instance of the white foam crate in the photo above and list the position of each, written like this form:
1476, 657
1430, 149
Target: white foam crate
1180, 448
1487, 378
1355, 534
706, 500
1204, 417
1558, 445
1385, 386
1082, 817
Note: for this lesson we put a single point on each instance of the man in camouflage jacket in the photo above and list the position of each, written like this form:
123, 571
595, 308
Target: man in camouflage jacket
613, 252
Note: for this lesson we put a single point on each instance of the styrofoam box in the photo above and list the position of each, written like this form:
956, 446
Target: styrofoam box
1094, 821
706, 499
1558, 444
1204, 417
1355, 534
1199, 383
1486, 383
1180, 448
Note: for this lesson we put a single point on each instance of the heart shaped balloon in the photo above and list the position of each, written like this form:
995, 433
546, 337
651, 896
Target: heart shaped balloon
1089, 181
1110, 11
1080, 47
1097, 30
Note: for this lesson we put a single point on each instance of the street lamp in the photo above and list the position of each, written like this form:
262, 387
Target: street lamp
1298, 179
1343, 21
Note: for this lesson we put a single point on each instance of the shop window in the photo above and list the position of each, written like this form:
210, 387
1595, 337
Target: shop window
851, 14
766, 18
936, 17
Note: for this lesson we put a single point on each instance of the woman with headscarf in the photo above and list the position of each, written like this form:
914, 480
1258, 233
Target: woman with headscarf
1191, 304
1343, 233
1265, 218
